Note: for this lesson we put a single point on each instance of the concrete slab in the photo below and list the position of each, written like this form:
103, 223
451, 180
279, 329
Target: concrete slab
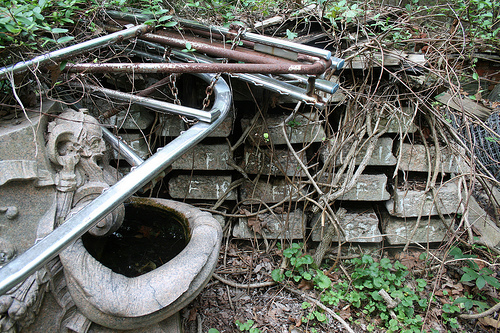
398, 230
358, 224
382, 154
486, 229
137, 143
303, 128
278, 162
271, 191
135, 118
200, 187
400, 121
273, 226
170, 125
414, 158
408, 203
204, 157
367, 188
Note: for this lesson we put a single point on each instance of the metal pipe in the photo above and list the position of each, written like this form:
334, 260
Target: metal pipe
73, 50
271, 41
323, 85
39, 254
160, 106
257, 79
122, 148
281, 87
312, 69
216, 49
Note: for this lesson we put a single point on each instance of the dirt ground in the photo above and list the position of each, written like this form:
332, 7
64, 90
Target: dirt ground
234, 294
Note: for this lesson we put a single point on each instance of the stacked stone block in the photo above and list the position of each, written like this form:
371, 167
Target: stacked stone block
415, 212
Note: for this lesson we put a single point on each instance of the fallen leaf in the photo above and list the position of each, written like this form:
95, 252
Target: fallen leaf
345, 312
490, 322
305, 285
192, 314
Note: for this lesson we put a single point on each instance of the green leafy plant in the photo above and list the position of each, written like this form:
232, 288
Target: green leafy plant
247, 326
189, 48
368, 278
313, 314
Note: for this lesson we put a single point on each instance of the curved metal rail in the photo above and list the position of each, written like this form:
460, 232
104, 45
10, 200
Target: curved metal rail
44, 250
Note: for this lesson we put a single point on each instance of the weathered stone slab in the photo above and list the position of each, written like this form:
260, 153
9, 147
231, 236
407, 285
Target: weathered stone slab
398, 230
278, 162
382, 153
400, 121
414, 158
486, 229
137, 143
303, 128
273, 226
225, 128
200, 187
408, 203
270, 191
367, 188
204, 157
358, 225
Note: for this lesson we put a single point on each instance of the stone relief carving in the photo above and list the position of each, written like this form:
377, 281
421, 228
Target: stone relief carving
79, 173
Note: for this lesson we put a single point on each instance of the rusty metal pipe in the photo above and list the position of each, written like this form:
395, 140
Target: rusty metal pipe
323, 85
142, 68
259, 80
217, 36
213, 49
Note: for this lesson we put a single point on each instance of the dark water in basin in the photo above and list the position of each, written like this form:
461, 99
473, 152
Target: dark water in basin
148, 238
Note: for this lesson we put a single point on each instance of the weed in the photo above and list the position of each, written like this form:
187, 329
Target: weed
247, 326
367, 279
